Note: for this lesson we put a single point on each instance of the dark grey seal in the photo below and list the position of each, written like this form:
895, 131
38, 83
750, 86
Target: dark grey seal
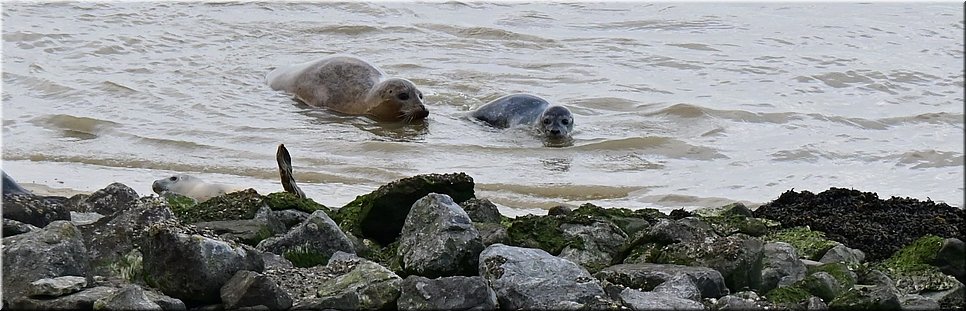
553, 123
11, 186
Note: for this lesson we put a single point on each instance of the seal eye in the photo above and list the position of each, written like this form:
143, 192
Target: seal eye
403, 96
546, 121
420, 94
173, 178
565, 121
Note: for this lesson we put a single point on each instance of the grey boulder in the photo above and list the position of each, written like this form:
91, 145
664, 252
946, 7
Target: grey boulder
447, 293
438, 239
528, 278
54, 251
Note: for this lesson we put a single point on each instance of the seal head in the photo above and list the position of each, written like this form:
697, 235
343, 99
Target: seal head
396, 99
556, 123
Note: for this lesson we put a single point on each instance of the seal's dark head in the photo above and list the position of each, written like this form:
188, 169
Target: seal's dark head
556, 123
399, 100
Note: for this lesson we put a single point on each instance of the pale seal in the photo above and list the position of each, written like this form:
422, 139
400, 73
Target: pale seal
350, 85
192, 187
553, 123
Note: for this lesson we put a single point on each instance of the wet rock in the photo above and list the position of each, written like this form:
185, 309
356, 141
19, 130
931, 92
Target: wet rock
112, 199
12, 227
823, 285
231, 206
34, 210
482, 211
272, 260
193, 267
648, 276
250, 289
282, 201
682, 230
734, 218
290, 217
310, 243
781, 266
681, 286
738, 257
746, 300
54, 251
950, 259
130, 297
867, 297
247, 231
492, 233
438, 239
917, 302
816, 304
56, 287
911, 268
526, 278
844, 254
863, 221
446, 293
380, 215
638, 300
83, 300
810, 244
353, 283
113, 241
545, 232
559, 210
595, 245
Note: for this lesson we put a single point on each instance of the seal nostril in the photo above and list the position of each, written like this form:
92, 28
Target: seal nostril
555, 131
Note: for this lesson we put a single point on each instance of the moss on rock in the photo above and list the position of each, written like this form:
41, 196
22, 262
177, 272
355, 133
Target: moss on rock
304, 257
232, 206
380, 214
278, 201
788, 295
916, 256
811, 244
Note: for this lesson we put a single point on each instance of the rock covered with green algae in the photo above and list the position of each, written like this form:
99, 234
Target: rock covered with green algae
810, 244
590, 235
231, 206
380, 214
863, 221
348, 282
914, 273
310, 243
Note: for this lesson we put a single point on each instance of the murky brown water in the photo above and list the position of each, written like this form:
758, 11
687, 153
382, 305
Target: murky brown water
676, 105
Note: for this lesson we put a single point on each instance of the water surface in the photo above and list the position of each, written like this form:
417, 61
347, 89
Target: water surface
676, 104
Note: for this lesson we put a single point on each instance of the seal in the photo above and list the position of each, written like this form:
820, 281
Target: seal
352, 86
11, 186
553, 123
192, 187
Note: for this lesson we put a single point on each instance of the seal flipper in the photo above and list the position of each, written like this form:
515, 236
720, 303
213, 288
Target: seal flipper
285, 171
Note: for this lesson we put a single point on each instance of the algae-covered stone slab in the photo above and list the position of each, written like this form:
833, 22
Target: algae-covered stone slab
380, 215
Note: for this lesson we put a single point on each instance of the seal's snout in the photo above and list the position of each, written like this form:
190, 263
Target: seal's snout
422, 113
555, 132
157, 187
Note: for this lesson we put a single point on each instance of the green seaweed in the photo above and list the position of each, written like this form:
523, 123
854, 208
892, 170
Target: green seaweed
285, 200
916, 256
811, 244
303, 257
793, 294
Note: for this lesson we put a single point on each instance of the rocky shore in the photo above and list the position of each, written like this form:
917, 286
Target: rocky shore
427, 243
